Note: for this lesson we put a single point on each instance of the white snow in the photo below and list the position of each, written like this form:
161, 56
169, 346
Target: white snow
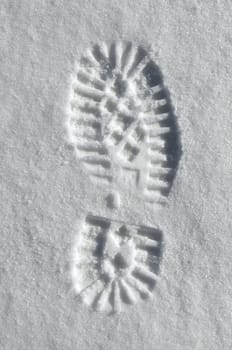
46, 193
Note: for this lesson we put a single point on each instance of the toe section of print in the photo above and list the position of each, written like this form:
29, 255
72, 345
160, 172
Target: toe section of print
121, 121
114, 264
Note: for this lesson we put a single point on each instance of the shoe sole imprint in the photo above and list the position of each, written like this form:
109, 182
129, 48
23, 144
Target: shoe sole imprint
119, 114
115, 264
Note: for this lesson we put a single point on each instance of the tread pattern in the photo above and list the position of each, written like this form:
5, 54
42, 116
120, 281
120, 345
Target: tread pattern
119, 113
115, 264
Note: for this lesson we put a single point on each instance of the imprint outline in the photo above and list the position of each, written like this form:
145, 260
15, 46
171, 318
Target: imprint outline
144, 245
160, 129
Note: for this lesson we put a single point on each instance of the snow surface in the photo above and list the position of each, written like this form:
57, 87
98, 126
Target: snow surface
45, 192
